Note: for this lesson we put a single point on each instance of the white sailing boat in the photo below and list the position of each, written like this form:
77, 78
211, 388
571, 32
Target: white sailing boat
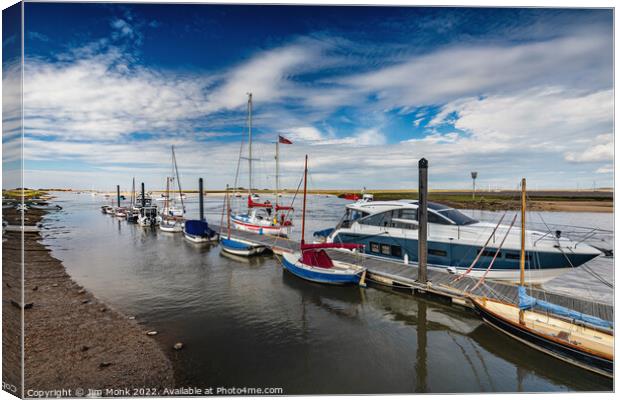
171, 218
261, 217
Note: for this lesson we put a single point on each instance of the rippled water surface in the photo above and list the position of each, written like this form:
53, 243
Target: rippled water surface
249, 323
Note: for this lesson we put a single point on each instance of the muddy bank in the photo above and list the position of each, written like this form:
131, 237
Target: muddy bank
72, 340
534, 205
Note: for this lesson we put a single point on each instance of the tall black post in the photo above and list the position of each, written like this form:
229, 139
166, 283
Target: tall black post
422, 218
200, 203
118, 195
143, 198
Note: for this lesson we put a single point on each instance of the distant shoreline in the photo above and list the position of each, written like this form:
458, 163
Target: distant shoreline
539, 200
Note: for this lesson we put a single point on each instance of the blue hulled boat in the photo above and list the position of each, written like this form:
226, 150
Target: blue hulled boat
312, 263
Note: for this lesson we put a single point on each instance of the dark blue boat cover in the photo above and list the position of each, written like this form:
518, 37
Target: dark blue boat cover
323, 233
527, 302
198, 228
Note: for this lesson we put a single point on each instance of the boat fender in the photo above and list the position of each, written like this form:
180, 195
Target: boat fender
558, 234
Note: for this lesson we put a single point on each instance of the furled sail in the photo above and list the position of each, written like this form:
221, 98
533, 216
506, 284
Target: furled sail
527, 302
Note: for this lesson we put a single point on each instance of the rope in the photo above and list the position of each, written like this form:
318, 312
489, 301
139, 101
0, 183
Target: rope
496, 253
458, 278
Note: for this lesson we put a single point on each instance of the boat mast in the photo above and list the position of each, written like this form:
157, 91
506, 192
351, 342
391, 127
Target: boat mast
133, 192
250, 141
522, 257
176, 171
277, 167
228, 212
167, 200
303, 213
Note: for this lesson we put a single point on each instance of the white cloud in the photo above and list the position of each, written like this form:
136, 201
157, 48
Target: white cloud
303, 134
265, 76
533, 108
462, 71
601, 149
551, 119
608, 169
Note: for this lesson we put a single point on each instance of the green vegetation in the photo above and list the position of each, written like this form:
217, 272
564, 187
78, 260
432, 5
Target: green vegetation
27, 193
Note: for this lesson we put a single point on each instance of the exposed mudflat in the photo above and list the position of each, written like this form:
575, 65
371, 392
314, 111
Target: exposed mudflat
72, 340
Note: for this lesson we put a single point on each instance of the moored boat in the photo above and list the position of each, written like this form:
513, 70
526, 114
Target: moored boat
198, 231
583, 346
171, 218
237, 246
262, 216
241, 247
582, 340
312, 262
171, 225
148, 216
389, 229
147, 212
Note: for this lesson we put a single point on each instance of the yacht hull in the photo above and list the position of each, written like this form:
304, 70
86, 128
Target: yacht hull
240, 248
546, 343
291, 263
263, 229
541, 266
200, 239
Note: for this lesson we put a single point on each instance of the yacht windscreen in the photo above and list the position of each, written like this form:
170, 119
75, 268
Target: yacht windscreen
458, 217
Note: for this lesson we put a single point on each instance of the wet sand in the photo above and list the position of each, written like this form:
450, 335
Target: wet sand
72, 340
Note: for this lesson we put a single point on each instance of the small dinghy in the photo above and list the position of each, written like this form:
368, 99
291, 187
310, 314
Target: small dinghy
47, 208
172, 225
241, 247
121, 212
312, 262
133, 214
238, 247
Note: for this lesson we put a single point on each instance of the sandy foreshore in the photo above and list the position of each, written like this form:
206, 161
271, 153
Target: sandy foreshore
72, 340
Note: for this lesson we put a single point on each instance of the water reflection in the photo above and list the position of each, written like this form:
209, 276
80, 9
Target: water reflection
247, 322
420, 365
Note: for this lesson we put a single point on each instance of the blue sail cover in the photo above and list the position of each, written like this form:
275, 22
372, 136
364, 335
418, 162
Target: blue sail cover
198, 228
527, 302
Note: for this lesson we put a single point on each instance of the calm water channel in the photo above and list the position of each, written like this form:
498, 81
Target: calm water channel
249, 323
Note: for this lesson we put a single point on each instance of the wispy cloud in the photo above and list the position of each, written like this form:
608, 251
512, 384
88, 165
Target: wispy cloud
367, 110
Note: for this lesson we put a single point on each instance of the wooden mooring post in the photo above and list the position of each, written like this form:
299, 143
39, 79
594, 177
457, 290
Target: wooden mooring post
200, 200
143, 198
422, 219
118, 195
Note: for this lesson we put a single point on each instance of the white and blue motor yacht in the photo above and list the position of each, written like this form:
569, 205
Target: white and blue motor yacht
390, 229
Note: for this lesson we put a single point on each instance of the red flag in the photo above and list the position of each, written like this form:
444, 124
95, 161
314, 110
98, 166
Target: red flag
284, 140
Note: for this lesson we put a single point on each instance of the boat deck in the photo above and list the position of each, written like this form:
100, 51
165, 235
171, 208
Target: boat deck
442, 283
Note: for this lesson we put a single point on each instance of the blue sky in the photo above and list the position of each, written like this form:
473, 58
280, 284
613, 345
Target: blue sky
365, 91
